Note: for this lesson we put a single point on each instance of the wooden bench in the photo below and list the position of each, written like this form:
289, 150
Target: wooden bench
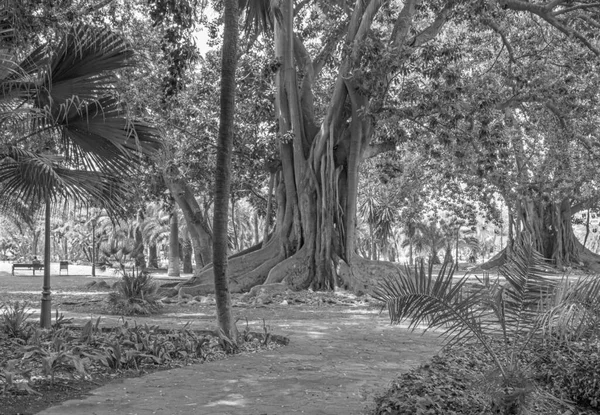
63, 265
36, 266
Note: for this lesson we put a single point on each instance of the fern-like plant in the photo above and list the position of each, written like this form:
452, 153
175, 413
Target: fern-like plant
518, 310
136, 293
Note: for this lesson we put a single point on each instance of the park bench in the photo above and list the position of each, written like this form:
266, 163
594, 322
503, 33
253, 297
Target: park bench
32, 266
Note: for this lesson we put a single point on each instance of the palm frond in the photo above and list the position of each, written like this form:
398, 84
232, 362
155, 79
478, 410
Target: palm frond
258, 16
527, 288
32, 177
437, 302
84, 62
576, 310
99, 134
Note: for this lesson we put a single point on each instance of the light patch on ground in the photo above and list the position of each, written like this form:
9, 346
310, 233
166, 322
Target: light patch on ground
233, 399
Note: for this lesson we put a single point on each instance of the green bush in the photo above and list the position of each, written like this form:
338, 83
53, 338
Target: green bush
135, 294
15, 320
571, 372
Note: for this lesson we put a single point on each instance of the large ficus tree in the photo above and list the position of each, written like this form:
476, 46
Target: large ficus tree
360, 51
522, 124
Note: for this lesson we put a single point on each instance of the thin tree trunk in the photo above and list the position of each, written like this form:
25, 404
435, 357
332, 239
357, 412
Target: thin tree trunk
269, 208
236, 242
152, 256
256, 228
187, 253
173, 270
223, 170
195, 218
587, 228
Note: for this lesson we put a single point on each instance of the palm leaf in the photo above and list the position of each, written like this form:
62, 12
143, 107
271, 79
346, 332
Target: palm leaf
576, 310
31, 178
84, 63
527, 288
437, 302
258, 16
99, 134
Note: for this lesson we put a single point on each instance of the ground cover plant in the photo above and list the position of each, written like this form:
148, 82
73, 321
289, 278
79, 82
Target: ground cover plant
529, 325
39, 367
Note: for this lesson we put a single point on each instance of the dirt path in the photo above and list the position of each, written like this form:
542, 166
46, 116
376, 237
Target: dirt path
338, 359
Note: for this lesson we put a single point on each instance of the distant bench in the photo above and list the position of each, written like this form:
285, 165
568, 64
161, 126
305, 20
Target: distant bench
27, 266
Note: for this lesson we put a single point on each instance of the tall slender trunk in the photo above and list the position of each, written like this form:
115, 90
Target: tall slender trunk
187, 253
587, 228
269, 208
223, 169
173, 270
152, 256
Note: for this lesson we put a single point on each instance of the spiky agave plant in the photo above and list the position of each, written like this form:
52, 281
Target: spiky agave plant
516, 311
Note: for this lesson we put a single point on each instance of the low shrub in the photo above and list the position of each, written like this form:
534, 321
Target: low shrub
15, 320
135, 294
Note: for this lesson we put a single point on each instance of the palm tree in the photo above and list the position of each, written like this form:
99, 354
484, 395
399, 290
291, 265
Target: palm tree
223, 170
426, 237
66, 136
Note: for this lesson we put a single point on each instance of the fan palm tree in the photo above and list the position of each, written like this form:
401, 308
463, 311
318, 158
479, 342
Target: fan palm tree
65, 134
518, 313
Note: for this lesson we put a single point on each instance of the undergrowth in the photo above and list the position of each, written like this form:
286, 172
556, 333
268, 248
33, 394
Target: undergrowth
89, 351
457, 381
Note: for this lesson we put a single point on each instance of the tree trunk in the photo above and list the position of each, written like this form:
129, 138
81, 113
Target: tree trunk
549, 225
152, 256
223, 170
196, 221
187, 254
256, 228
269, 208
587, 228
173, 270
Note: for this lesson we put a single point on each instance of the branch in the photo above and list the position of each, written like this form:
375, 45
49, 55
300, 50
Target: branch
545, 12
580, 6
494, 26
589, 21
554, 110
365, 24
434, 28
402, 24
523, 6
588, 203
303, 59
375, 149
328, 49
571, 32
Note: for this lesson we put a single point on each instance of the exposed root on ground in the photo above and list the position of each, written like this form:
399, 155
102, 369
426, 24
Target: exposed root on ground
363, 274
244, 272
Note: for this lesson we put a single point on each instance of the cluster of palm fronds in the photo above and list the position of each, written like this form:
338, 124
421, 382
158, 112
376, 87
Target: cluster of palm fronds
136, 293
525, 307
65, 134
